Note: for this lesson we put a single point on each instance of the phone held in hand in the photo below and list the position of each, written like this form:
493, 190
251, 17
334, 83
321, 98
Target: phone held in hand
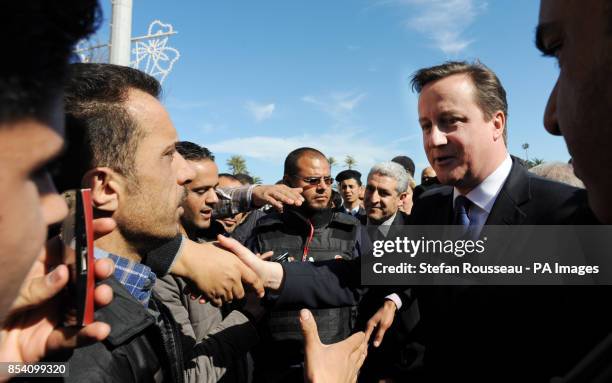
77, 235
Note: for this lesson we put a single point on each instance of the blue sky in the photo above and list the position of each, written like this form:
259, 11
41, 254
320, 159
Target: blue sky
261, 78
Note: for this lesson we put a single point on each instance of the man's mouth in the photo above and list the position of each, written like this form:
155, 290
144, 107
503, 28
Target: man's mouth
443, 160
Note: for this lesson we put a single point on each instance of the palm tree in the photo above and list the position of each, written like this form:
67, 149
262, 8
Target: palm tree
525, 147
332, 162
237, 164
257, 180
350, 161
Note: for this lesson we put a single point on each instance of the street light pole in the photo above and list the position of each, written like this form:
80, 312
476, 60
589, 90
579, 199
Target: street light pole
121, 32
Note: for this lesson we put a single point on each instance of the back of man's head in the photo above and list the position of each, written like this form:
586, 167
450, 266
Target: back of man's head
489, 92
229, 180
39, 36
194, 152
406, 162
244, 179
97, 122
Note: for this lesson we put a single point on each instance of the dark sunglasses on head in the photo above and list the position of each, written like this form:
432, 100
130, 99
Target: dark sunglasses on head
316, 180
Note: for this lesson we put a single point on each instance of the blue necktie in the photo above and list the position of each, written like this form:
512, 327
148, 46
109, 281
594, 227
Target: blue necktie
462, 206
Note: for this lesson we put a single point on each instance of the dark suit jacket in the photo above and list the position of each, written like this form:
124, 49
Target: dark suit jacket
510, 333
361, 213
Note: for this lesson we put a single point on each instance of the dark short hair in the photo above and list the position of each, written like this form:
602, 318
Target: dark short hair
406, 162
193, 152
230, 176
39, 36
244, 179
291, 168
490, 94
336, 199
95, 114
349, 174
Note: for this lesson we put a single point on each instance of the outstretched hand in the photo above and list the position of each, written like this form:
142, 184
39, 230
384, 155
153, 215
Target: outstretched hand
383, 319
277, 196
270, 273
215, 273
334, 363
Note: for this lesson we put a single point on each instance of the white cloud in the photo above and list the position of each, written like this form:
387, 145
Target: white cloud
338, 105
442, 21
274, 149
260, 112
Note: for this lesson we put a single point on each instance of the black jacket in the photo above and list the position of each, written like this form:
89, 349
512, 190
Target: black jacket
361, 213
326, 236
142, 346
510, 333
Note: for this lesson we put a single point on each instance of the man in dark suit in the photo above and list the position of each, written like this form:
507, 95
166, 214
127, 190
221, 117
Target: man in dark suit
385, 192
492, 333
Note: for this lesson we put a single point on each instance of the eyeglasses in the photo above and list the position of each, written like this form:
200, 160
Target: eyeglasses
316, 180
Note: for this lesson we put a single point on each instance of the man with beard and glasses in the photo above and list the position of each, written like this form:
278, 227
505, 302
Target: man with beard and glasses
312, 232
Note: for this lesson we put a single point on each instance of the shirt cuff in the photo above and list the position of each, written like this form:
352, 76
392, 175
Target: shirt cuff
395, 299
161, 259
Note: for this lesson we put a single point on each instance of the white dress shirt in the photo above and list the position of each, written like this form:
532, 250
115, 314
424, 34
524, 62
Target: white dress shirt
484, 195
352, 211
385, 226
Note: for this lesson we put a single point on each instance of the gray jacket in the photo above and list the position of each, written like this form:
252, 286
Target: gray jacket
214, 348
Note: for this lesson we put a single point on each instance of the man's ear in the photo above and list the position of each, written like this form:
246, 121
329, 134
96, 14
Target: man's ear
402, 197
105, 188
499, 124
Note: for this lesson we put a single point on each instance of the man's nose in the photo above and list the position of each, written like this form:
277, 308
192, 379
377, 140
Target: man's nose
53, 205
212, 197
374, 198
322, 185
185, 173
437, 137
551, 122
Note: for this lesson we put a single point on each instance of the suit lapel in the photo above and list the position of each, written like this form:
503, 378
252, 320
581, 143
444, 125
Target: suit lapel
508, 210
514, 193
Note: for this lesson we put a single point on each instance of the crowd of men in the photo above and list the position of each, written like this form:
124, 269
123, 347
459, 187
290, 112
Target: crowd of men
204, 276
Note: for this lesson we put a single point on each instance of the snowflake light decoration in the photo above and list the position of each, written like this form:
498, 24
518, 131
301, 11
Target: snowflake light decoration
151, 53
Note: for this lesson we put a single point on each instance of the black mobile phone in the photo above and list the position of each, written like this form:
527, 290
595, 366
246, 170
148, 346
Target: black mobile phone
77, 235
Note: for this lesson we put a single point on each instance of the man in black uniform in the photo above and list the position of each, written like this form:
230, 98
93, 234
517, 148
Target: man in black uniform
310, 233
